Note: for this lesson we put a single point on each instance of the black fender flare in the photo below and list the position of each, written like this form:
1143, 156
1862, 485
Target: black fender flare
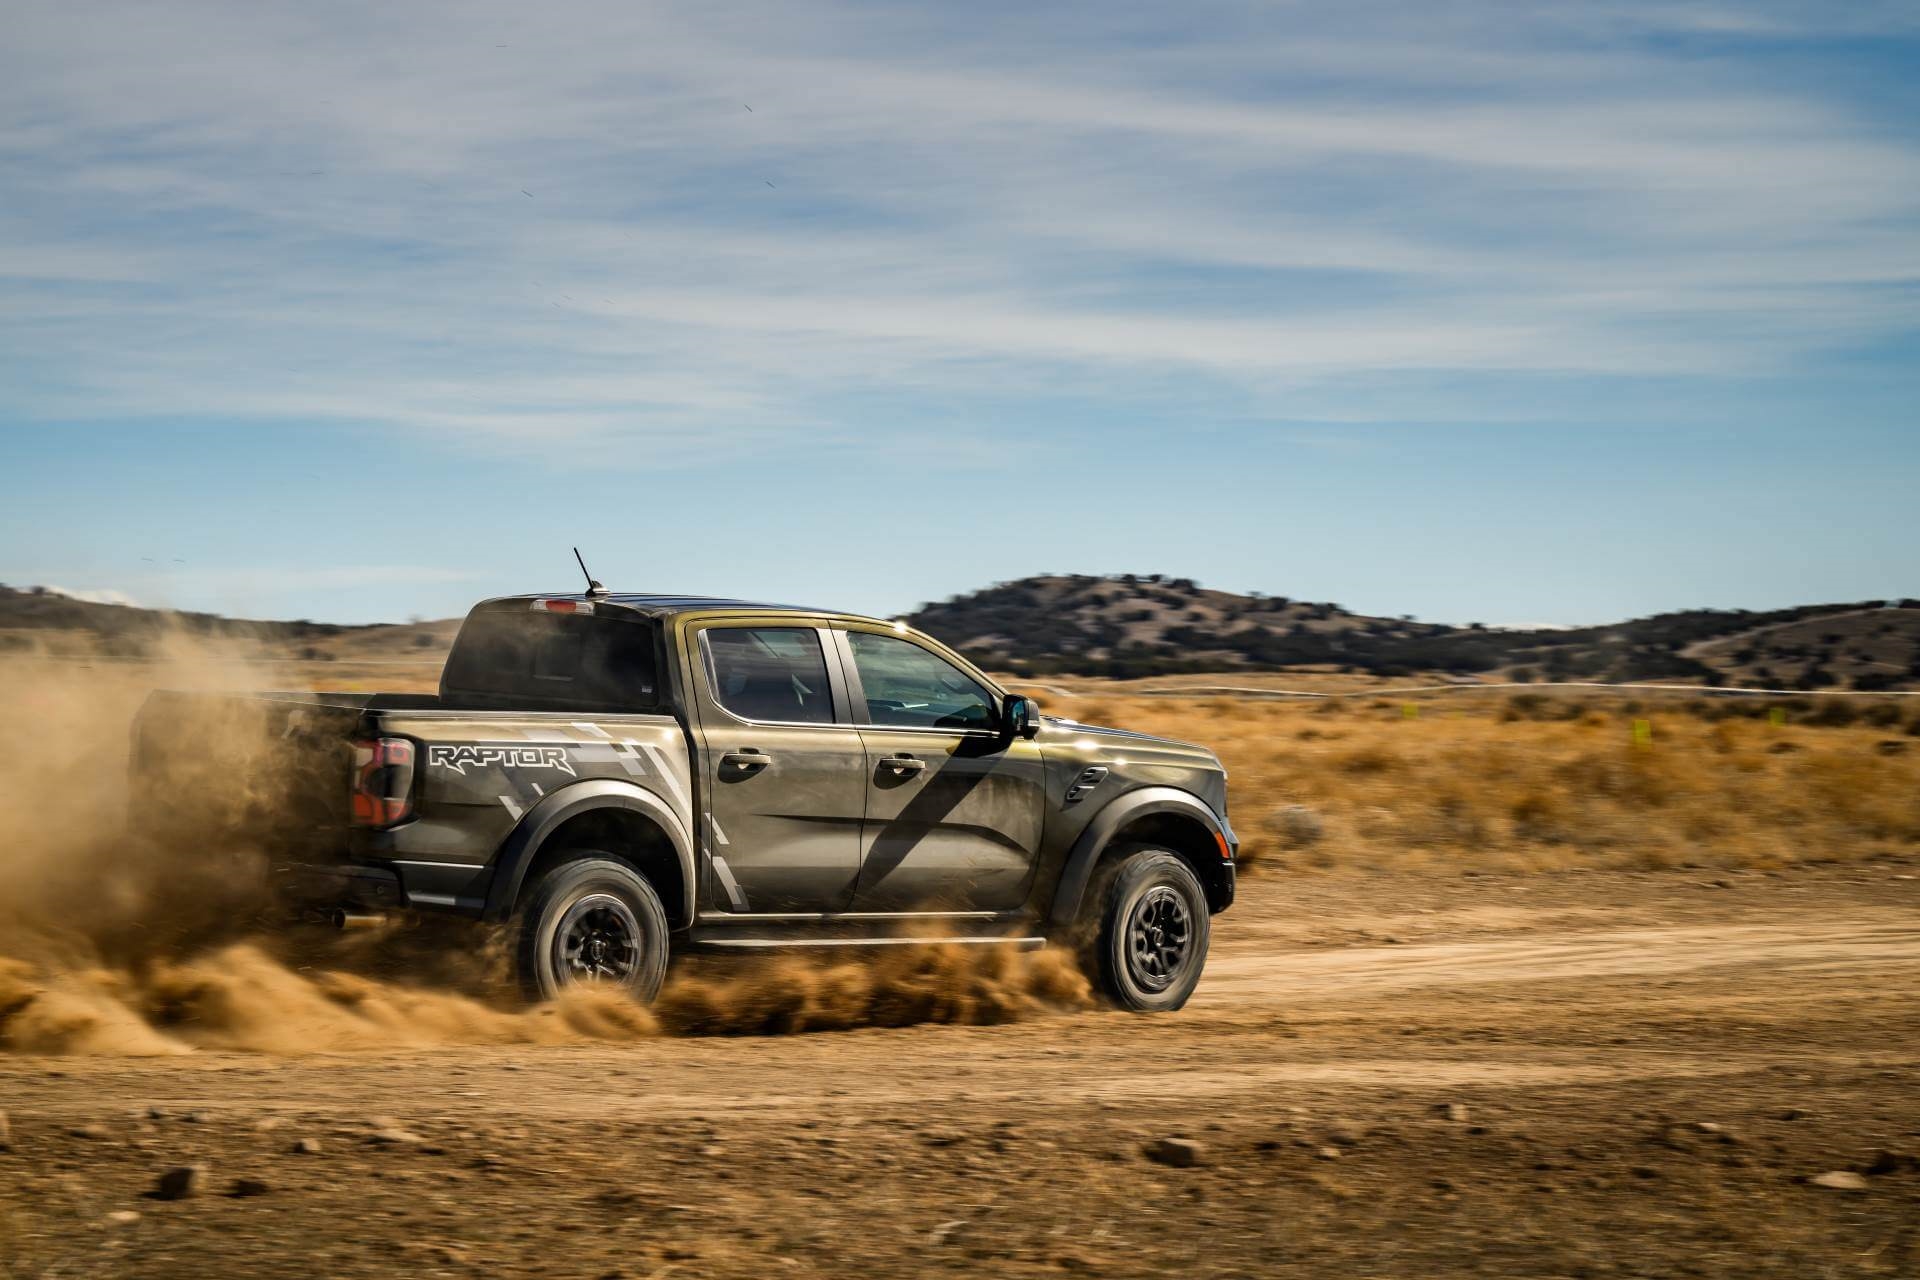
522, 845
1121, 810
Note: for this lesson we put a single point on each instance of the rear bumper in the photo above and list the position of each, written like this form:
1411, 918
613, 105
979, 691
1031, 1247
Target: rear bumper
340, 884
377, 886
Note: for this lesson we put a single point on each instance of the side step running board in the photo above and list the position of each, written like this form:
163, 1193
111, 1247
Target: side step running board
731, 941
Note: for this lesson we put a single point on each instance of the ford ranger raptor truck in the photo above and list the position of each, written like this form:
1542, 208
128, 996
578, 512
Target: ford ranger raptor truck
618, 778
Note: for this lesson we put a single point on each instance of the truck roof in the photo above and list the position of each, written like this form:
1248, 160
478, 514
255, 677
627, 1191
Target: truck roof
655, 606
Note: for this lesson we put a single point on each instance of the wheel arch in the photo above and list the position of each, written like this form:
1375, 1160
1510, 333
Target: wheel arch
1166, 817
608, 814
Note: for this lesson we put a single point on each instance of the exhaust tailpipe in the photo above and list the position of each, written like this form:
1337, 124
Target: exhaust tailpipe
344, 919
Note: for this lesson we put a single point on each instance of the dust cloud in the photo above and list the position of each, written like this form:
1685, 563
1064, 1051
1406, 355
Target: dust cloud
118, 937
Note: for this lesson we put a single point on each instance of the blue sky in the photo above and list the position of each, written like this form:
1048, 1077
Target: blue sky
1498, 312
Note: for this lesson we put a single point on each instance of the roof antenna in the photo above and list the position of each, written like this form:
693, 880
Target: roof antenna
593, 586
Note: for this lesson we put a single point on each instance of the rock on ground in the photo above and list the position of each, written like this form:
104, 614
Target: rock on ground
1179, 1153
181, 1182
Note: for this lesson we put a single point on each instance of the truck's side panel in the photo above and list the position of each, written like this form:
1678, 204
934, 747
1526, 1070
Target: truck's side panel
480, 774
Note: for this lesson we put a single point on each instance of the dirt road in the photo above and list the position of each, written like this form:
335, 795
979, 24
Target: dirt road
1579, 1074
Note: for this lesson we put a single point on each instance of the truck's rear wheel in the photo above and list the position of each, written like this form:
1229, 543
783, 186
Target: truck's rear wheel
1150, 935
592, 920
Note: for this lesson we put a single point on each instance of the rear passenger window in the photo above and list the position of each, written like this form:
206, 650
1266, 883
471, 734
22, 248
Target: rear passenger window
511, 658
770, 673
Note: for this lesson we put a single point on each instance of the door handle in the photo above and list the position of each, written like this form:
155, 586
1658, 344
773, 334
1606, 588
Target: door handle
748, 761
903, 763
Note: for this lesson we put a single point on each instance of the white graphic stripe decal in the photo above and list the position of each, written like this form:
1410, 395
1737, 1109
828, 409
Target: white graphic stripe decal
667, 775
727, 882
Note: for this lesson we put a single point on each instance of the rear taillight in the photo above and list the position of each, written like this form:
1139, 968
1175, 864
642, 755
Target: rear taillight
382, 781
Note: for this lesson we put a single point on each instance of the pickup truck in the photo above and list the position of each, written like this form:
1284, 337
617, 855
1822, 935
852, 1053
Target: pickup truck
618, 778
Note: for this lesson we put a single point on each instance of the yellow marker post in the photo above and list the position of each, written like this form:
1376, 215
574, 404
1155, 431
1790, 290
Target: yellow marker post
1643, 733
1776, 716
1409, 711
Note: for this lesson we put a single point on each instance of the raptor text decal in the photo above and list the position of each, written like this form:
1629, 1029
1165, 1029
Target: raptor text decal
458, 758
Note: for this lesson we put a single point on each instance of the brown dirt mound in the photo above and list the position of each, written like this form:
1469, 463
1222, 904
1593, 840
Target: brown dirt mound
239, 997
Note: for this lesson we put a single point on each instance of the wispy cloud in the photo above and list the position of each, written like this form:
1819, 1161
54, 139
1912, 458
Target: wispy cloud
505, 224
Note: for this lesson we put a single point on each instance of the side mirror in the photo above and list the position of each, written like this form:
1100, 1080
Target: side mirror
1021, 716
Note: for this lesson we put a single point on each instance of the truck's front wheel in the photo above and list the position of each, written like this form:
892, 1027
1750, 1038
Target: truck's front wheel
1151, 929
592, 920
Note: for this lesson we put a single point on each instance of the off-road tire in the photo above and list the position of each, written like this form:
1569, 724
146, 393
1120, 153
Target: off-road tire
1147, 905
592, 899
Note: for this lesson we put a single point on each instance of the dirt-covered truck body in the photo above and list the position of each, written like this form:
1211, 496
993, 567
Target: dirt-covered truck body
620, 776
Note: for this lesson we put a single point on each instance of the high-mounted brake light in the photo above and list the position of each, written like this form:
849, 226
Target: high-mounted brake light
563, 606
382, 788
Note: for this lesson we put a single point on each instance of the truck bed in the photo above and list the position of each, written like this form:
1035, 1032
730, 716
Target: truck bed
271, 772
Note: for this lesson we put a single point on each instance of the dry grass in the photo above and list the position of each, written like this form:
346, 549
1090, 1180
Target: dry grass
1533, 782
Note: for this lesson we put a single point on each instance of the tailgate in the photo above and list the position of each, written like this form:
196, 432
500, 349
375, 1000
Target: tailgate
265, 770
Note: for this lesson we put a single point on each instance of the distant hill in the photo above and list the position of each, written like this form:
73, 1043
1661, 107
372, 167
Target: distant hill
47, 618
1131, 626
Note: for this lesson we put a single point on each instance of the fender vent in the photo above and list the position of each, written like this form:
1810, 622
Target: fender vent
1087, 781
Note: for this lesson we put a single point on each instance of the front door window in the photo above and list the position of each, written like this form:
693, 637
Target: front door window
908, 686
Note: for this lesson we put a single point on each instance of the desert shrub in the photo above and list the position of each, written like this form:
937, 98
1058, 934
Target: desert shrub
1524, 706
1296, 826
1088, 711
1539, 815
1835, 713
1452, 815
1370, 760
1621, 774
